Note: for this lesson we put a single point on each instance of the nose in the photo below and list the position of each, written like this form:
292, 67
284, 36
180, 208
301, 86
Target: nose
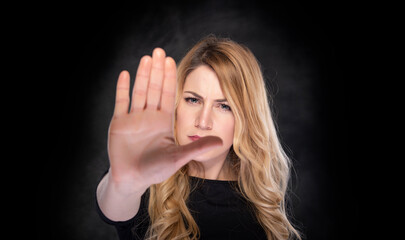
204, 119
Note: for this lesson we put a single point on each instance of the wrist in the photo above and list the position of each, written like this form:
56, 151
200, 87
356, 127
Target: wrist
126, 186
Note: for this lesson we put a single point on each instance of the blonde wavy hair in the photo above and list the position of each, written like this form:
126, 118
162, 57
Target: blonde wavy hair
256, 157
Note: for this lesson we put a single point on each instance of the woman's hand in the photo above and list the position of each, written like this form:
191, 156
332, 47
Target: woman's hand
141, 146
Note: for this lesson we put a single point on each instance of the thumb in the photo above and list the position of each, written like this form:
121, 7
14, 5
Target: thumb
186, 153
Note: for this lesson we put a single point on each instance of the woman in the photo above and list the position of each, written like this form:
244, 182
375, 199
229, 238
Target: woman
205, 163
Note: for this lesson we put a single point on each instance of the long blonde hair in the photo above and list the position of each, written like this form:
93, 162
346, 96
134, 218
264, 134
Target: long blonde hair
256, 157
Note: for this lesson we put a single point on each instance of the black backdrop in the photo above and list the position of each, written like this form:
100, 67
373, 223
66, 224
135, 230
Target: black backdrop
301, 50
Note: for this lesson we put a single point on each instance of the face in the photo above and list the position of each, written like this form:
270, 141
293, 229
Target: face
202, 111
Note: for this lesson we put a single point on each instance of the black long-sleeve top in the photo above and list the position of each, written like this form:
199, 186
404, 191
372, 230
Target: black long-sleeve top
217, 207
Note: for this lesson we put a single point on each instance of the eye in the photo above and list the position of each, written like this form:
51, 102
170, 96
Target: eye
225, 107
191, 100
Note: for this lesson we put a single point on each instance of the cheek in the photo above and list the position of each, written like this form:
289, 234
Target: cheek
228, 128
181, 125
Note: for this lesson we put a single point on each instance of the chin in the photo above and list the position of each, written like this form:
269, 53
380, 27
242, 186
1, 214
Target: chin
211, 155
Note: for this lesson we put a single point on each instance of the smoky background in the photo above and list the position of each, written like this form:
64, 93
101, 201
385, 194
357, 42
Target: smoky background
301, 49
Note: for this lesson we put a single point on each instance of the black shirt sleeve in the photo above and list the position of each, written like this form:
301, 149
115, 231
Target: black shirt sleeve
134, 228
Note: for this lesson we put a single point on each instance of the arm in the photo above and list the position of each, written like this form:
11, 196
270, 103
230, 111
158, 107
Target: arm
118, 202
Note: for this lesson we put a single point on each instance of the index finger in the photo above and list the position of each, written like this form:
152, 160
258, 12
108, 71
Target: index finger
169, 86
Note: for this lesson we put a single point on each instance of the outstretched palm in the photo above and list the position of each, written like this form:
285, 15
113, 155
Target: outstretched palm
141, 146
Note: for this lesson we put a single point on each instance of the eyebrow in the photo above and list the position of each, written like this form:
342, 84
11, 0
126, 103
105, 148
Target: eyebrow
196, 95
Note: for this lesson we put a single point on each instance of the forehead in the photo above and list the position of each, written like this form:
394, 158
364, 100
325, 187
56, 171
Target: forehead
204, 81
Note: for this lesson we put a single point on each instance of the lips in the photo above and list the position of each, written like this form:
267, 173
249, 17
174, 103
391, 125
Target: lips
194, 137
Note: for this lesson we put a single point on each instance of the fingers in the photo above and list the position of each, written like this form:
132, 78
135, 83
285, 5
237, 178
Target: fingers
156, 79
140, 90
187, 152
122, 94
155, 83
169, 86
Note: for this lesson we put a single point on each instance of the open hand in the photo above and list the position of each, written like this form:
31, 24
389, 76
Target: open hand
141, 145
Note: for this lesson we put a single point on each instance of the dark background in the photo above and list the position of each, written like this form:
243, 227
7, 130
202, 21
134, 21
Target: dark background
303, 54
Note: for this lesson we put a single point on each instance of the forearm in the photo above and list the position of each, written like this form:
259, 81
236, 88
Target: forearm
118, 201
